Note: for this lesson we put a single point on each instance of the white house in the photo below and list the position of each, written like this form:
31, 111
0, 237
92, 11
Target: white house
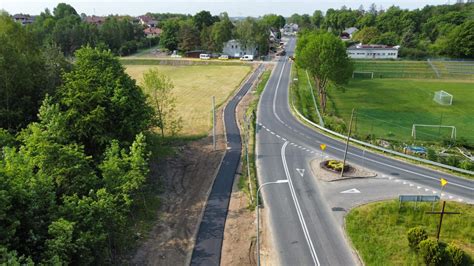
233, 48
290, 29
373, 51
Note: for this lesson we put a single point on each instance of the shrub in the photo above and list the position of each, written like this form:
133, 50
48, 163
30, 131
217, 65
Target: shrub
415, 236
455, 254
430, 251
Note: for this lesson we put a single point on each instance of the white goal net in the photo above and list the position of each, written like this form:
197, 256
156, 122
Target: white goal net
431, 133
443, 98
363, 74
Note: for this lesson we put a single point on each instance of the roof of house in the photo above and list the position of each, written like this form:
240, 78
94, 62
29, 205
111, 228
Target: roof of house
373, 47
351, 30
156, 31
95, 19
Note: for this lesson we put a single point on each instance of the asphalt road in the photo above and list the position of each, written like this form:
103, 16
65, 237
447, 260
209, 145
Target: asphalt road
302, 214
207, 249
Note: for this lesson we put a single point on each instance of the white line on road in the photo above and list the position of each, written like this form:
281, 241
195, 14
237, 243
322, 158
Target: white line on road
276, 92
298, 208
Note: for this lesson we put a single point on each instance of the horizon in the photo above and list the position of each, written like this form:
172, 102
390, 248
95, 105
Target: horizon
233, 8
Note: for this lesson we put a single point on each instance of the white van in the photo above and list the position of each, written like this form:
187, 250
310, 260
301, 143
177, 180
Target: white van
205, 56
247, 58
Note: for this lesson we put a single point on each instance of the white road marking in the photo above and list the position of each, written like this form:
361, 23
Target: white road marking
418, 187
426, 189
276, 93
273, 133
411, 185
300, 171
450, 197
351, 191
298, 208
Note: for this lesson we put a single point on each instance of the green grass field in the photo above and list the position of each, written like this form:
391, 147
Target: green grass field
387, 108
378, 230
194, 87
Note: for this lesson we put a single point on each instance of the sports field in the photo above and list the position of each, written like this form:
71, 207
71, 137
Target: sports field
434, 69
387, 108
194, 87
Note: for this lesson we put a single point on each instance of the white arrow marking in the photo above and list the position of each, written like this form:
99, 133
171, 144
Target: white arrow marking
352, 191
300, 171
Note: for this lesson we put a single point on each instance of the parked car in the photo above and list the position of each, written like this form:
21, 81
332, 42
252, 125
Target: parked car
224, 57
205, 56
247, 58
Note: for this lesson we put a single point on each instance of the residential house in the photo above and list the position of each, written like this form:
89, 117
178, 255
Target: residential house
147, 21
152, 32
96, 20
348, 33
373, 51
23, 19
233, 48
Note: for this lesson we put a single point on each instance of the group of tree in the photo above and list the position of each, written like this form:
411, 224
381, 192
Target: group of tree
206, 32
443, 30
73, 153
68, 30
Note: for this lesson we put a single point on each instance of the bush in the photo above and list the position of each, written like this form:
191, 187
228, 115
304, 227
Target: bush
455, 254
415, 236
430, 251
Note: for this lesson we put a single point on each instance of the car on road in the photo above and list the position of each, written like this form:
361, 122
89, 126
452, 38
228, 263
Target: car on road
205, 56
246, 58
224, 57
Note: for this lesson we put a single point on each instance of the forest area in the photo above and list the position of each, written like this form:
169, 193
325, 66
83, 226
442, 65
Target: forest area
432, 31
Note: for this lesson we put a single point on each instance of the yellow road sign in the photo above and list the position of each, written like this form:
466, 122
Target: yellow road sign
443, 182
322, 146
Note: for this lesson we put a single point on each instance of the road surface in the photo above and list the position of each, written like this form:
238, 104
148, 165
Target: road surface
303, 214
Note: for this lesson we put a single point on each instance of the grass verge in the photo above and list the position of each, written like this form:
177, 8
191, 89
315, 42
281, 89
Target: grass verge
378, 230
251, 112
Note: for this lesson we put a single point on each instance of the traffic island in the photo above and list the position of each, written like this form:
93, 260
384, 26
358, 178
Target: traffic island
330, 170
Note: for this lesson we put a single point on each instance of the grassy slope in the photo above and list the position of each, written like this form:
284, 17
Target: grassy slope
194, 87
378, 230
389, 107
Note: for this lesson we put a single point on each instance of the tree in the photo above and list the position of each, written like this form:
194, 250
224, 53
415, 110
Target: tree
189, 38
387, 38
324, 56
222, 32
204, 19
101, 102
27, 73
169, 35
273, 21
63, 10
367, 35
462, 40
251, 33
160, 89
317, 19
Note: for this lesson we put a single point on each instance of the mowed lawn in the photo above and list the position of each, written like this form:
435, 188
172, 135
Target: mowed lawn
388, 108
194, 87
378, 231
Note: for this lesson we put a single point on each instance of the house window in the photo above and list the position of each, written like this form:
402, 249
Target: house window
232, 46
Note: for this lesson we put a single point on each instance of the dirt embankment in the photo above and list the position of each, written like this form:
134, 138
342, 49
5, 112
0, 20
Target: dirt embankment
187, 178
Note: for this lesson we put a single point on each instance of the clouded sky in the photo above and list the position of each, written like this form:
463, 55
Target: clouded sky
234, 8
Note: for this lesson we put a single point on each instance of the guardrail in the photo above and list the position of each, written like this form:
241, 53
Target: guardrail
380, 148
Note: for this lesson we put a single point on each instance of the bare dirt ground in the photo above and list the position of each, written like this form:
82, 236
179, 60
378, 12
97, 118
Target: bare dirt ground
187, 178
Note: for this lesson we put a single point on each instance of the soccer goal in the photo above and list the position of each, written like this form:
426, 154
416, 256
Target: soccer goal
443, 98
363, 74
439, 127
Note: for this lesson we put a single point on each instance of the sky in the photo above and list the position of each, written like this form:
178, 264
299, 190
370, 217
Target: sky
232, 7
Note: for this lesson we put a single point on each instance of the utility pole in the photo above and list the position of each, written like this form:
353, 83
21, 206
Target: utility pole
441, 213
214, 122
347, 143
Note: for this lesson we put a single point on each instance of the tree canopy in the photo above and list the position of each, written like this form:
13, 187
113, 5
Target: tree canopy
324, 56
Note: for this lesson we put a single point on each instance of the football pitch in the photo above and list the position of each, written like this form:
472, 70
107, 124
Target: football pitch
387, 108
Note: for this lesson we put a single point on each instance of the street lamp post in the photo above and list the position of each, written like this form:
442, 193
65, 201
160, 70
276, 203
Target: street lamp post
281, 181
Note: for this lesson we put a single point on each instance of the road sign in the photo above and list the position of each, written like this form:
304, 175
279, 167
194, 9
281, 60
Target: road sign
418, 198
351, 191
322, 146
443, 182
300, 171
